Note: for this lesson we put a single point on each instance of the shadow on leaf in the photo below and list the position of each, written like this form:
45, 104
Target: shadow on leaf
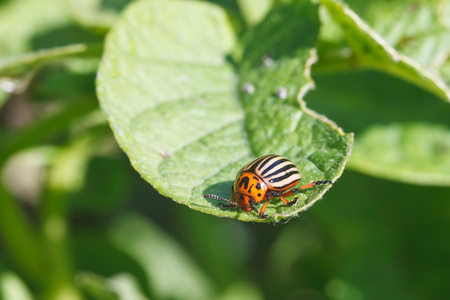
221, 189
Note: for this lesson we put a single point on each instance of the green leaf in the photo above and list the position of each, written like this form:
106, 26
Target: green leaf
122, 286
412, 153
12, 287
22, 21
402, 25
33, 32
374, 98
242, 290
254, 10
96, 14
178, 108
16, 65
417, 29
172, 274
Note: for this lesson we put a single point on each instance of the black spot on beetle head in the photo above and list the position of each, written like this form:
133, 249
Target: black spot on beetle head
244, 182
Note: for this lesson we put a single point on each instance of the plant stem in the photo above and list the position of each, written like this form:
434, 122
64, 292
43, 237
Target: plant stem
66, 175
43, 129
19, 239
59, 280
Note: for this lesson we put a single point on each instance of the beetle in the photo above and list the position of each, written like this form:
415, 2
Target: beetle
264, 178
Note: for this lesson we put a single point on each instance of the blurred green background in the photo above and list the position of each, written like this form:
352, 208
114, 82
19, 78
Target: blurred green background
77, 222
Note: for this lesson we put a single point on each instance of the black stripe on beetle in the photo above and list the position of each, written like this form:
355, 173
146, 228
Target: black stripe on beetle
263, 163
285, 176
253, 164
273, 165
281, 170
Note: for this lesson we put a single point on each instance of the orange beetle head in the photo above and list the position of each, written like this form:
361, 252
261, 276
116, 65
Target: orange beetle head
247, 186
243, 201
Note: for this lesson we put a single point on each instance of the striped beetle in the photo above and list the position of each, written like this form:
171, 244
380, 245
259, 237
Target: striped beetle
264, 178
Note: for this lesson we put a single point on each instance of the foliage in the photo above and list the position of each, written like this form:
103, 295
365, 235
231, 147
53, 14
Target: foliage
181, 99
191, 91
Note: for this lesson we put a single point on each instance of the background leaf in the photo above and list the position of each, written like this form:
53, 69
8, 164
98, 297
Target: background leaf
376, 106
19, 21
23, 21
372, 238
415, 153
371, 50
96, 15
119, 287
14, 66
27, 27
415, 30
254, 10
164, 262
170, 95
12, 287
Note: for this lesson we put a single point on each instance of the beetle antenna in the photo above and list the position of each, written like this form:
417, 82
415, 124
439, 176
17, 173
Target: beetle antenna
216, 197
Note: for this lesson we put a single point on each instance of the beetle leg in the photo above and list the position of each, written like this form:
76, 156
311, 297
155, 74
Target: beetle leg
309, 185
252, 204
289, 203
263, 209
276, 194
282, 197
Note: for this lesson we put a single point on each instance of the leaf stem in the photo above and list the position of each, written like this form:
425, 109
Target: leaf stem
45, 128
65, 176
19, 239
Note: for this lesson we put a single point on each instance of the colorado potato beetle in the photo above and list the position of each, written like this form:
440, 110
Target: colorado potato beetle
265, 178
